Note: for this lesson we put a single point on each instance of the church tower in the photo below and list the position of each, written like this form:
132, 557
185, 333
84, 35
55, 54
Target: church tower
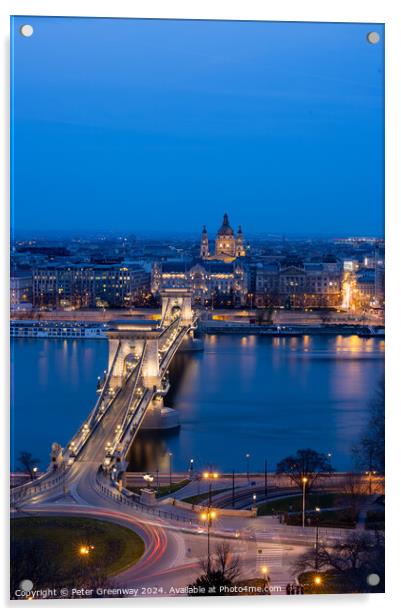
240, 243
225, 241
204, 246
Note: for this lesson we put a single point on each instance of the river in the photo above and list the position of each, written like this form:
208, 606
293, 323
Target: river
261, 396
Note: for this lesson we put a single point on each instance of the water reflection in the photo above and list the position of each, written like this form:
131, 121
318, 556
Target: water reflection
268, 396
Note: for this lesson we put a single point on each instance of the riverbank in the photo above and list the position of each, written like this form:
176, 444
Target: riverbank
226, 327
91, 330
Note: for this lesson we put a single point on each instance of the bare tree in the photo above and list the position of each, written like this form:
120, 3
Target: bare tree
369, 453
306, 463
353, 559
311, 560
220, 573
28, 463
354, 490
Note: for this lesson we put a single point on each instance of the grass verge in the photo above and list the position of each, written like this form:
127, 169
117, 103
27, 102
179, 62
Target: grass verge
50, 546
198, 498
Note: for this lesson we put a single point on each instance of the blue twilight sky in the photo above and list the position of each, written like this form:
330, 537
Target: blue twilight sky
148, 125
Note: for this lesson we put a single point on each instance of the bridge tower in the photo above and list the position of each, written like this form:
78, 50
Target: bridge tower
129, 341
176, 302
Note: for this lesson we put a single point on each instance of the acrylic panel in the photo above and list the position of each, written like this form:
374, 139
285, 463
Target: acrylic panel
197, 308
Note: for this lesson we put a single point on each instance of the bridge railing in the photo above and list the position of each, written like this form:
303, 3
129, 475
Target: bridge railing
45, 482
167, 356
105, 387
168, 329
279, 532
135, 422
83, 433
137, 372
114, 494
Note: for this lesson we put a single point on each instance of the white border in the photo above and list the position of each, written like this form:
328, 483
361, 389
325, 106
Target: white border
377, 11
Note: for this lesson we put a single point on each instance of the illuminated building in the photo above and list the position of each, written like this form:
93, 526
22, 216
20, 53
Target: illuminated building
227, 246
89, 285
295, 284
212, 282
21, 291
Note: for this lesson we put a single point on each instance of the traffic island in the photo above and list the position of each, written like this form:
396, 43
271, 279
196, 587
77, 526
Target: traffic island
58, 551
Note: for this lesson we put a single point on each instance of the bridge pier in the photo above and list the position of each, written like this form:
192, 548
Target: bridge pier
160, 417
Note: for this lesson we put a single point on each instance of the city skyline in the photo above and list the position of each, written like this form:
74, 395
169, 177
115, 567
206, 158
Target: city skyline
250, 120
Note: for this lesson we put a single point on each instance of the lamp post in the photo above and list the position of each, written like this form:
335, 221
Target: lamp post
247, 456
264, 571
304, 482
370, 474
317, 510
265, 478
170, 455
148, 479
208, 516
191, 468
210, 476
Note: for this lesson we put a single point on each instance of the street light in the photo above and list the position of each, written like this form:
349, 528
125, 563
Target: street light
317, 510
148, 479
247, 456
317, 580
370, 474
210, 476
170, 456
304, 482
264, 570
208, 516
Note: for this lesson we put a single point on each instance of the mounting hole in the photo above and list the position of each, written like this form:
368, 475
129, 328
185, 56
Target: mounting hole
26, 30
373, 38
26, 585
373, 579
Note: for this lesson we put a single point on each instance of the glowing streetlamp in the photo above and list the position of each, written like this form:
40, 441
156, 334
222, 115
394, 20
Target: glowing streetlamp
191, 468
210, 476
148, 479
208, 516
170, 455
317, 580
317, 510
247, 457
304, 482
264, 571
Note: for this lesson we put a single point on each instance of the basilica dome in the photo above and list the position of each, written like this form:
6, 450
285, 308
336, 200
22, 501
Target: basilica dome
225, 228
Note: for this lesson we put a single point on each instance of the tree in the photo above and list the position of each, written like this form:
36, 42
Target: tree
353, 493
305, 463
353, 560
28, 463
369, 453
220, 573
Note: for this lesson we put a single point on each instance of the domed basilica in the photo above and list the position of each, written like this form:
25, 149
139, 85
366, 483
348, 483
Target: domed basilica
227, 247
